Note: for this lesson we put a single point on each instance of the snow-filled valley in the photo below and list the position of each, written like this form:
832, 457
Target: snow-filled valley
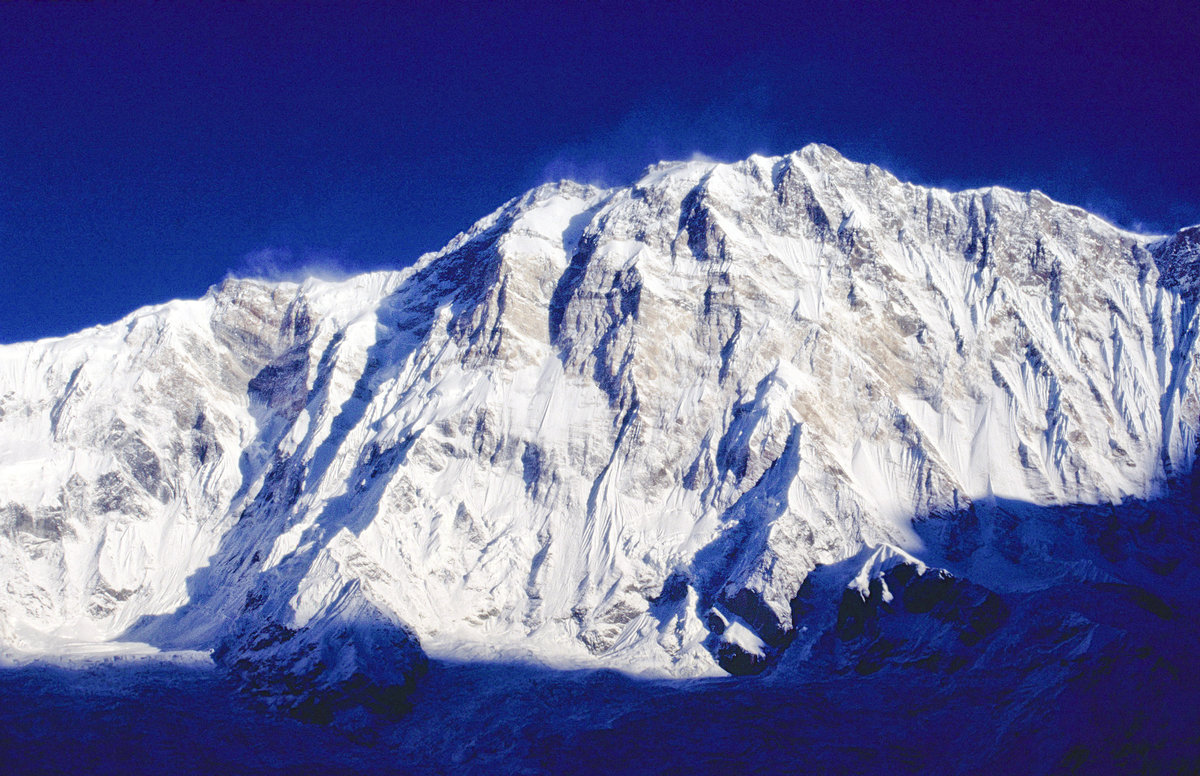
789, 417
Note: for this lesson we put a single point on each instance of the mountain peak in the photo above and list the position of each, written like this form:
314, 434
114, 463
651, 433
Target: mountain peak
606, 427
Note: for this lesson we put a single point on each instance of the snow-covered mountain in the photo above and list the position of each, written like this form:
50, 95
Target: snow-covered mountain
612, 427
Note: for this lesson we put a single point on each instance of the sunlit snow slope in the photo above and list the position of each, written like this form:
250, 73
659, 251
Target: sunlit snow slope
613, 427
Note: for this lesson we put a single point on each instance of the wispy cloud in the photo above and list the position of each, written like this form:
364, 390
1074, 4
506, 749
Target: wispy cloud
731, 126
285, 264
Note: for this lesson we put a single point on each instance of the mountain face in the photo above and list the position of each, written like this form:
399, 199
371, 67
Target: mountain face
730, 417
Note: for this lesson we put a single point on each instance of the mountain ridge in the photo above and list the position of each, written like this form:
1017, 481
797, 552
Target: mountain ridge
616, 427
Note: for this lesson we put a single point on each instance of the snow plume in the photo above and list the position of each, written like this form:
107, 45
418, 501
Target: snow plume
284, 264
730, 127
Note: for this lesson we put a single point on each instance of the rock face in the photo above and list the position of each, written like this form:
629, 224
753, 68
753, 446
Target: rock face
604, 427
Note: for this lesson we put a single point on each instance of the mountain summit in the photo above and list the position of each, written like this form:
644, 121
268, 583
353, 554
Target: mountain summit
723, 419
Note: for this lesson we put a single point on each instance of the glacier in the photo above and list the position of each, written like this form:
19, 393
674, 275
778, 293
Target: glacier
688, 427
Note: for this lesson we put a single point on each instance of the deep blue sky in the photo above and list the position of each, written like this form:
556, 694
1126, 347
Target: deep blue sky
146, 151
